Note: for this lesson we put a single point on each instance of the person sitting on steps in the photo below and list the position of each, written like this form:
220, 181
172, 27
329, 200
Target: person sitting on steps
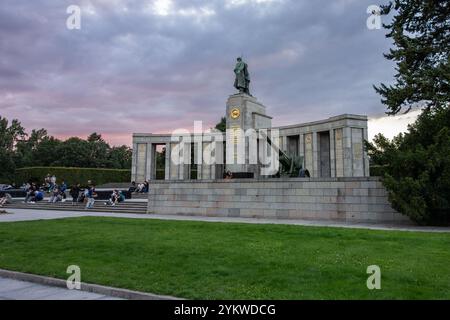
116, 197
56, 195
6, 199
304, 173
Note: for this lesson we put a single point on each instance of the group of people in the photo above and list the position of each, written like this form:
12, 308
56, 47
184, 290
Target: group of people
36, 193
49, 183
78, 193
140, 187
88, 196
116, 197
57, 193
84, 195
33, 193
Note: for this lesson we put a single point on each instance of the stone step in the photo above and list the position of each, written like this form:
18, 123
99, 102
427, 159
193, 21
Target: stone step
69, 203
139, 196
98, 207
97, 204
34, 205
117, 210
68, 208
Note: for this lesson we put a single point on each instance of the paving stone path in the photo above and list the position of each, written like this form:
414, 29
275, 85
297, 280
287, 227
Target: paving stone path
11, 289
30, 215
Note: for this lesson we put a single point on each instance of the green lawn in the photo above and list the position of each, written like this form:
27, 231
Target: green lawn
231, 261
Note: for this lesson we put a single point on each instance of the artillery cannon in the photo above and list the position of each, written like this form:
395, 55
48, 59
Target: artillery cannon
290, 166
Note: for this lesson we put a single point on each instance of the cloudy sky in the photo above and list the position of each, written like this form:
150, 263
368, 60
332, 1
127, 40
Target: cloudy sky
155, 66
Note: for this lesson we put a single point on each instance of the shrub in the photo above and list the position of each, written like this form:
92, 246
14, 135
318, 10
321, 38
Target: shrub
377, 171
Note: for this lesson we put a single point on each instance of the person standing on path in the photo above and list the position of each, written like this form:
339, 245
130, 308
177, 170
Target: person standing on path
90, 195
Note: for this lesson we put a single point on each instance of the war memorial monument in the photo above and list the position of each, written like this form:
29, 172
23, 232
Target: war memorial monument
264, 162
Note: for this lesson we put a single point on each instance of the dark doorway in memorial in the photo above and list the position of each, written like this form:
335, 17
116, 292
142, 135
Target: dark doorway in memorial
293, 145
160, 162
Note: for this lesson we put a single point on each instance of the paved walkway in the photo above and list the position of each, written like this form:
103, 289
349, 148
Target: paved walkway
30, 215
21, 290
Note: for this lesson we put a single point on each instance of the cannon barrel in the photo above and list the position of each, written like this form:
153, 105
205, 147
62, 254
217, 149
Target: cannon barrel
288, 165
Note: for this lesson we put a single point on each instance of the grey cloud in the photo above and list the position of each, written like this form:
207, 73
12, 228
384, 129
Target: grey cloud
128, 71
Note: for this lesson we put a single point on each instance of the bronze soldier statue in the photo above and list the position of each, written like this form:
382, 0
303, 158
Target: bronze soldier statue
242, 82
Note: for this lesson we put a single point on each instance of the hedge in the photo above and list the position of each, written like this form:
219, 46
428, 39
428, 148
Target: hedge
72, 175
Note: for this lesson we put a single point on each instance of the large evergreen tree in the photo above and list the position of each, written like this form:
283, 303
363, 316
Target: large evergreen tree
417, 163
420, 31
417, 167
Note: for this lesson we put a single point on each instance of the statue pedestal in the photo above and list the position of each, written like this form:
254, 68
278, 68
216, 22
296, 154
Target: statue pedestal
244, 112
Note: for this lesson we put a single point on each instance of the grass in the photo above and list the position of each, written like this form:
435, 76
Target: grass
201, 260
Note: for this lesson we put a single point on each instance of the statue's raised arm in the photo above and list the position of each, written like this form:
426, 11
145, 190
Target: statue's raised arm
242, 82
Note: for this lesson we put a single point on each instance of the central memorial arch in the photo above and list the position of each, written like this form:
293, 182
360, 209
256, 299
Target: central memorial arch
332, 150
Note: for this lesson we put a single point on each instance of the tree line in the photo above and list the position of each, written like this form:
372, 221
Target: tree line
19, 149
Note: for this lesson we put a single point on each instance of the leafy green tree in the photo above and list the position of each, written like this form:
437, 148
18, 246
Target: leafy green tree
17, 150
10, 135
24, 155
46, 152
74, 152
120, 157
417, 163
99, 150
222, 125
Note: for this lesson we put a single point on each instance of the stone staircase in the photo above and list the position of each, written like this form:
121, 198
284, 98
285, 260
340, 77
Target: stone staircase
140, 196
129, 206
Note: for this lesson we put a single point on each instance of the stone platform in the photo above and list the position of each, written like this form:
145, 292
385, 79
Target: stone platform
335, 199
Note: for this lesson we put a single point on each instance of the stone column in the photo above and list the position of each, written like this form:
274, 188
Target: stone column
358, 152
174, 167
309, 158
134, 163
220, 160
198, 157
339, 153
182, 166
366, 156
348, 153
206, 169
168, 161
150, 159
301, 148
316, 166
185, 167
332, 154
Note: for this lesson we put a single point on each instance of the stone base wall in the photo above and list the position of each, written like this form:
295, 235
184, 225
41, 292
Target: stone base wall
340, 199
